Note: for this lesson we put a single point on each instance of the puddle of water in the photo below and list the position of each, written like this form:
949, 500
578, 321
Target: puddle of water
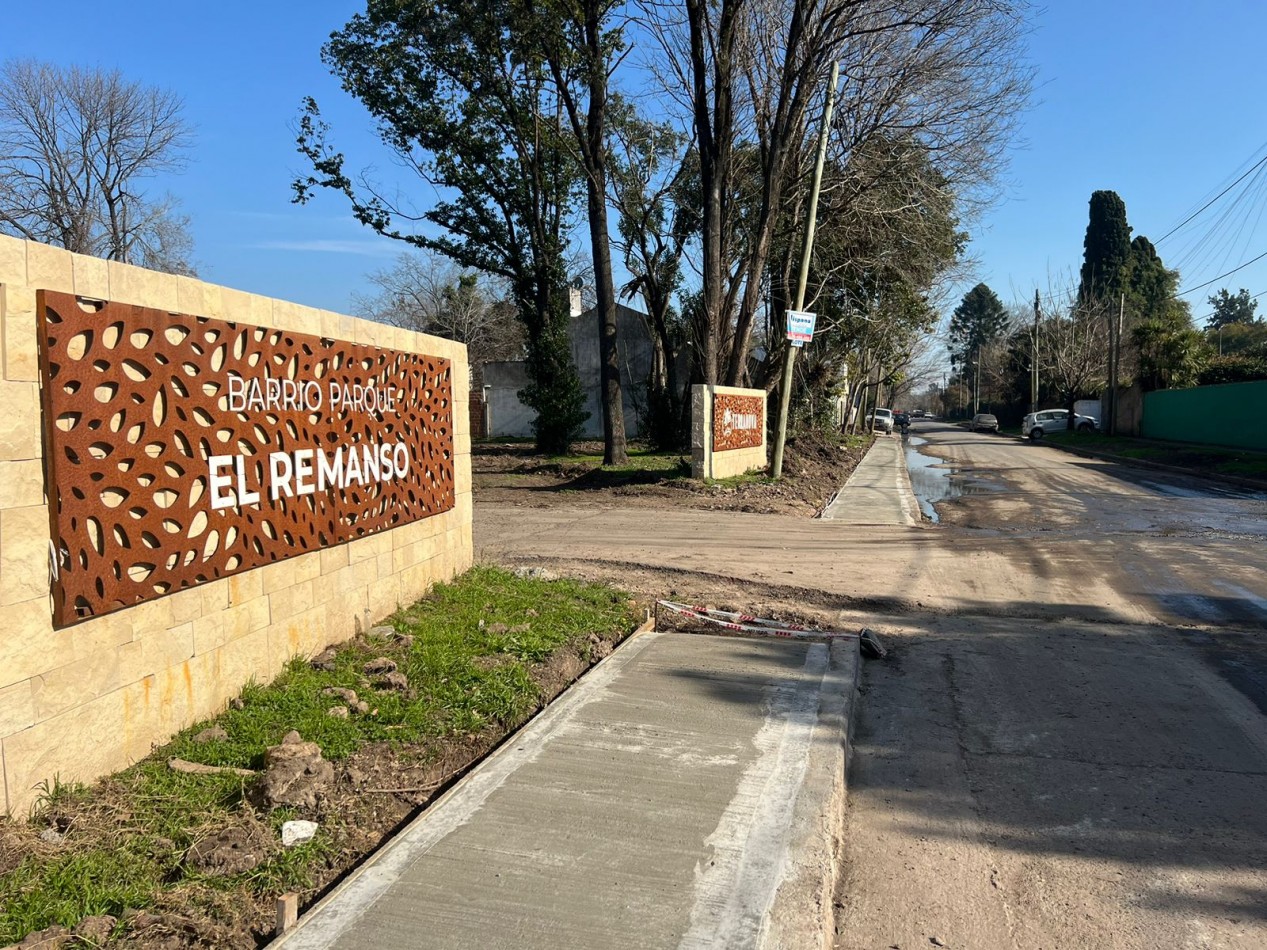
934, 479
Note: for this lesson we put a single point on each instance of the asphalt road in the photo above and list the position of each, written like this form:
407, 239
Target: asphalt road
1068, 747
1172, 550
1094, 781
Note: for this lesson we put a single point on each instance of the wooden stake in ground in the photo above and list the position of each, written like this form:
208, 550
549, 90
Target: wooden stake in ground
287, 912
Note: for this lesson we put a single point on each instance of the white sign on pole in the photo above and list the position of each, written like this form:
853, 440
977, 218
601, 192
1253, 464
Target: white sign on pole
800, 326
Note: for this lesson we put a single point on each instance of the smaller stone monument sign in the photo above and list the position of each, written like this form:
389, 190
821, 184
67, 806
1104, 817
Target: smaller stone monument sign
728, 427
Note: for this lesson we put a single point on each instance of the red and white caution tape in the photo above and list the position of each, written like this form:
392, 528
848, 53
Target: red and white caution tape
749, 624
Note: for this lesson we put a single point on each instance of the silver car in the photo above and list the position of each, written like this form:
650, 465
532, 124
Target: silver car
1038, 424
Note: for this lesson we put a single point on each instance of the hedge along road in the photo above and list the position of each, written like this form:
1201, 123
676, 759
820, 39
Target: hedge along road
1069, 746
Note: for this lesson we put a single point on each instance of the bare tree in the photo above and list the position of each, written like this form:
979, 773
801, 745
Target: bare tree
1071, 348
649, 163
429, 294
76, 149
946, 74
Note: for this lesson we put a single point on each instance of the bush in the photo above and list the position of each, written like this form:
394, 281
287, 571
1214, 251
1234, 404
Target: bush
1234, 368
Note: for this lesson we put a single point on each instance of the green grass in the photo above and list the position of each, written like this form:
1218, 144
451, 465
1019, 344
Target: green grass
1202, 458
128, 833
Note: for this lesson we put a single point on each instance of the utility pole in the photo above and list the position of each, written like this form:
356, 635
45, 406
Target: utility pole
976, 386
1033, 361
807, 249
1115, 353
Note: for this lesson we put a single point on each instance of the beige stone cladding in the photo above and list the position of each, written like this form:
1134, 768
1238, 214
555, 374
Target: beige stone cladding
705, 463
88, 699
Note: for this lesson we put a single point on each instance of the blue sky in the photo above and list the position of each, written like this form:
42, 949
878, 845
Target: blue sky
1148, 99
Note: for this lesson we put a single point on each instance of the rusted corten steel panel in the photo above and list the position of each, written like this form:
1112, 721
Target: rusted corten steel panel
738, 421
182, 449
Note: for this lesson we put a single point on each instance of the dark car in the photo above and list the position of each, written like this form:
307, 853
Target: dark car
984, 422
901, 419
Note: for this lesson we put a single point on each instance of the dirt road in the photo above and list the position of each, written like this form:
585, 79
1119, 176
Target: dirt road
1069, 747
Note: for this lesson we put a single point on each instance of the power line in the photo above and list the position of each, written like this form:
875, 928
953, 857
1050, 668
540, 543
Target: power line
1184, 293
1261, 161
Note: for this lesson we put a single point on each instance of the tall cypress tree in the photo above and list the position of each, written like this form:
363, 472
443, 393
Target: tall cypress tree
1106, 262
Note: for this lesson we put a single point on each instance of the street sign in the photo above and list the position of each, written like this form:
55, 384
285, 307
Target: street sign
800, 326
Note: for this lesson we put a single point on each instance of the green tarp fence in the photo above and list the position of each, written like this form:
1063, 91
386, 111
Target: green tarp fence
1233, 415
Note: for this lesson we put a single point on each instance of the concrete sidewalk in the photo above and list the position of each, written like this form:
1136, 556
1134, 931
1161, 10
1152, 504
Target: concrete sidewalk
879, 490
687, 792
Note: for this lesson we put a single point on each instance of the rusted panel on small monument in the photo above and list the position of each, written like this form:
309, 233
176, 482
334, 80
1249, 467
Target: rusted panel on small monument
738, 421
182, 449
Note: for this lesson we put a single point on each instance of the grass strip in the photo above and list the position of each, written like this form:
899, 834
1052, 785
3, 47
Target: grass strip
1202, 458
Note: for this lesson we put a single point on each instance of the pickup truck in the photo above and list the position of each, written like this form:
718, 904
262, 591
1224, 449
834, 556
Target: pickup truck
880, 420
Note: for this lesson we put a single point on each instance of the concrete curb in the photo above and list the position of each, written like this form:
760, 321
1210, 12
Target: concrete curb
803, 912
371, 877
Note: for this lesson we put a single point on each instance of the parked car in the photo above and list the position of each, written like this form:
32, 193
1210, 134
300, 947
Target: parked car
984, 422
902, 419
917, 413
1038, 424
880, 420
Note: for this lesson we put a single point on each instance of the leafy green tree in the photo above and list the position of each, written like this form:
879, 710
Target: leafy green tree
1171, 355
1232, 309
752, 78
1106, 262
979, 320
888, 232
1239, 337
1168, 351
461, 95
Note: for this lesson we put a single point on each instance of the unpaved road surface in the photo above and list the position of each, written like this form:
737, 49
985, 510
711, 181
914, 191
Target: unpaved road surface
1068, 747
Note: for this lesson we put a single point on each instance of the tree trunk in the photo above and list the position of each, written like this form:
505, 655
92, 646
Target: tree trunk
594, 155
614, 444
713, 136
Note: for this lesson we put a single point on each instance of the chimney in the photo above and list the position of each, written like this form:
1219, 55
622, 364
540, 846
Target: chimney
574, 294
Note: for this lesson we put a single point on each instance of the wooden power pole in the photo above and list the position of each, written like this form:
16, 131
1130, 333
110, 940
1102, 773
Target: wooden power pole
785, 392
1033, 361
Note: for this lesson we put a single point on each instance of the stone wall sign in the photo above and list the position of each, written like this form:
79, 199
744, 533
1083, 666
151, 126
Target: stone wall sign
738, 422
182, 449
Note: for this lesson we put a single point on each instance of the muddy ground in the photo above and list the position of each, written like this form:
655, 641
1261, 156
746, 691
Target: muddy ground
513, 473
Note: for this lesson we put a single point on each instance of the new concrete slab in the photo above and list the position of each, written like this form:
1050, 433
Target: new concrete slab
687, 792
878, 491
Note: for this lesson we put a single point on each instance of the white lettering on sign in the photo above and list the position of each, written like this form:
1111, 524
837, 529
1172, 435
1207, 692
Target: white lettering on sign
305, 472
361, 398
270, 394
739, 420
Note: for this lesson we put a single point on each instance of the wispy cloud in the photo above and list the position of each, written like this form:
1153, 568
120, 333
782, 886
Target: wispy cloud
320, 246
